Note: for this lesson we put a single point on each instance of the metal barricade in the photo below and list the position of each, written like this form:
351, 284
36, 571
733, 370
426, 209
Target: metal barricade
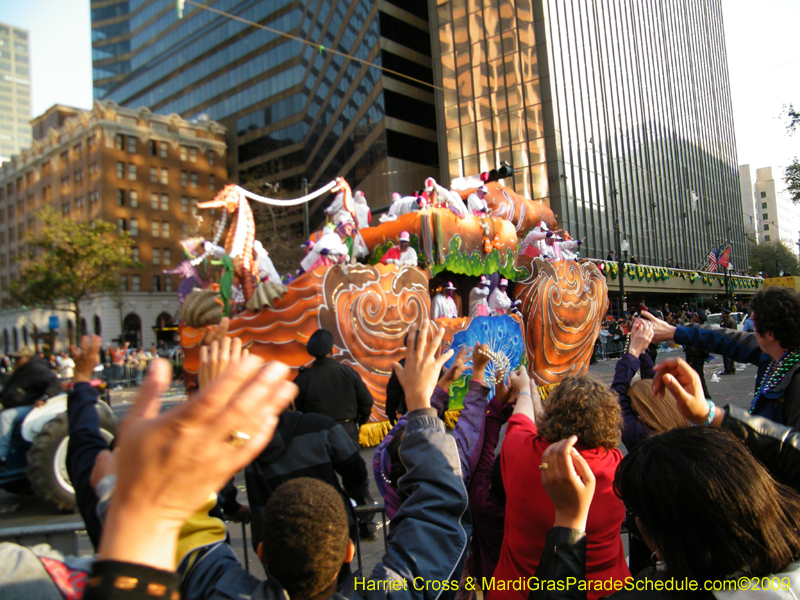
361, 512
64, 537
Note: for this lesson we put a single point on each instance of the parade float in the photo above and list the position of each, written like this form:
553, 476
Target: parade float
369, 306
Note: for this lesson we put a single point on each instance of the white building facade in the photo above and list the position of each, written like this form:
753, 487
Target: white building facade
776, 215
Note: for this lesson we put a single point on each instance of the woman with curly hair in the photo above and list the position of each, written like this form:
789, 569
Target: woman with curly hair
585, 408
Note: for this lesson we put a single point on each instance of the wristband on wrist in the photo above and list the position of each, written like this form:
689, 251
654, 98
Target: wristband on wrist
712, 412
524, 393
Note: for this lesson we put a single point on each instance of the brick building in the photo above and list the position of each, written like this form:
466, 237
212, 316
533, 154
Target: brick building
141, 171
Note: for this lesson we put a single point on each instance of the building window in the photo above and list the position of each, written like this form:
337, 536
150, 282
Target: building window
133, 196
193, 179
134, 227
184, 178
120, 197
154, 201
211, 182
156, 283
78, 176
120, 142
132, 171
123, 283
167, 283
153, 175
211, 157
94, 196
156, 229
766, 238
763, 194
156, 256
77, 149
92, 141
192, 154
121, 170
765, 216
163, 149
66, 208
763, 205
164, 176
165, 229
132, 144
122, 225
184, 204
64, 183
136, 283
46, 196
79, 202
167, 256
184, 152
135, 253
184, 230
766, 227
164, 202
93, 168
153, 148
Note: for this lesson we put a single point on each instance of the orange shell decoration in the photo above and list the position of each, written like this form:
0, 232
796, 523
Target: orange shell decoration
563, 303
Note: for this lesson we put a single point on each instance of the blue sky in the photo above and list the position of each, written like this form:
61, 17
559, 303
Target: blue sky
763, 56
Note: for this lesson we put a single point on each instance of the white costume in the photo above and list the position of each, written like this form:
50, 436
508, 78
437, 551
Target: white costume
478, 306
407, 257
444, 307
363, 215
399, 207
462, 184
266, 270
536, 238
499, 302
451, 199
477, 204
329, 241
564, 249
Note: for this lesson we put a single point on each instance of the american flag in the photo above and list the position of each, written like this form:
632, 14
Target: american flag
712, 260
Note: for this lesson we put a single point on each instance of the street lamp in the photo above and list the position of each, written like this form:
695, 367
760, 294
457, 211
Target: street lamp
623, 257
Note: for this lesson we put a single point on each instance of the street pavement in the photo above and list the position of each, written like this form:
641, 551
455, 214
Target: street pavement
16, 511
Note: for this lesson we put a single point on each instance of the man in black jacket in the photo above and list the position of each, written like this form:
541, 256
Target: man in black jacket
331, 388
30, 384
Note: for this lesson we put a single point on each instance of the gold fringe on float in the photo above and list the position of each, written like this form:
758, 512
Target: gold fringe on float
372, 433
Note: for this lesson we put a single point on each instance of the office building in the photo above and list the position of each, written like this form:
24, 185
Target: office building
749, 212
293, 111
141, 171
15, 91
618, 114
777, 216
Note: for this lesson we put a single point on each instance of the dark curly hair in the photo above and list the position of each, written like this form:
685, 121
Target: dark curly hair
776, 310
584, 407
305, 535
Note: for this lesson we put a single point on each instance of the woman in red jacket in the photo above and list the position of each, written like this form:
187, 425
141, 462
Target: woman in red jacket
578, 406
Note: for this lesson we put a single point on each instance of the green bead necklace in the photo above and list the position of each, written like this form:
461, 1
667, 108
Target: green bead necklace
775, 375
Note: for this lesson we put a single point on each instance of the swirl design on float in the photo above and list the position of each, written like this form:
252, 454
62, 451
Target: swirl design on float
564, 303
369, 310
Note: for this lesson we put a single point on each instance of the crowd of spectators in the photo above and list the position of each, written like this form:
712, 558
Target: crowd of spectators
709, 493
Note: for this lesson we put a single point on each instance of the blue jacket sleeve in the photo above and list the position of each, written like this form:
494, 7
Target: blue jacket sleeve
431, 530
634, 431
738, 345
85, 443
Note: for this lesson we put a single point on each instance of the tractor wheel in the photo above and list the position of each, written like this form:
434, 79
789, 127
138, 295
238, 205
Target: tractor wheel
47, 460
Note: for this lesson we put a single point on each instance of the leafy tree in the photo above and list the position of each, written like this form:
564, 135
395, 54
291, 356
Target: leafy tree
792, 175
72, 260
771, 258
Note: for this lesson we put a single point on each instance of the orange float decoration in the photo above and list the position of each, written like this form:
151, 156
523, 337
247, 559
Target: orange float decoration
369, 307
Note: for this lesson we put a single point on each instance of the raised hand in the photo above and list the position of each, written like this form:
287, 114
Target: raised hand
170, 464
421, 371
216, 357
520, 380
456, 369
641, 336
683, 382
480, 360
569, 482
87, 357
662, 331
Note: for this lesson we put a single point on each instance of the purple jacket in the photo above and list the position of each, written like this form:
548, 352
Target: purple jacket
488, 518
634, 430
468, 432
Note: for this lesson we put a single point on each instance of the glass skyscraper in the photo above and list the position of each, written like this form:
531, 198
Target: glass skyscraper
15, 91
293, 110
617, 112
